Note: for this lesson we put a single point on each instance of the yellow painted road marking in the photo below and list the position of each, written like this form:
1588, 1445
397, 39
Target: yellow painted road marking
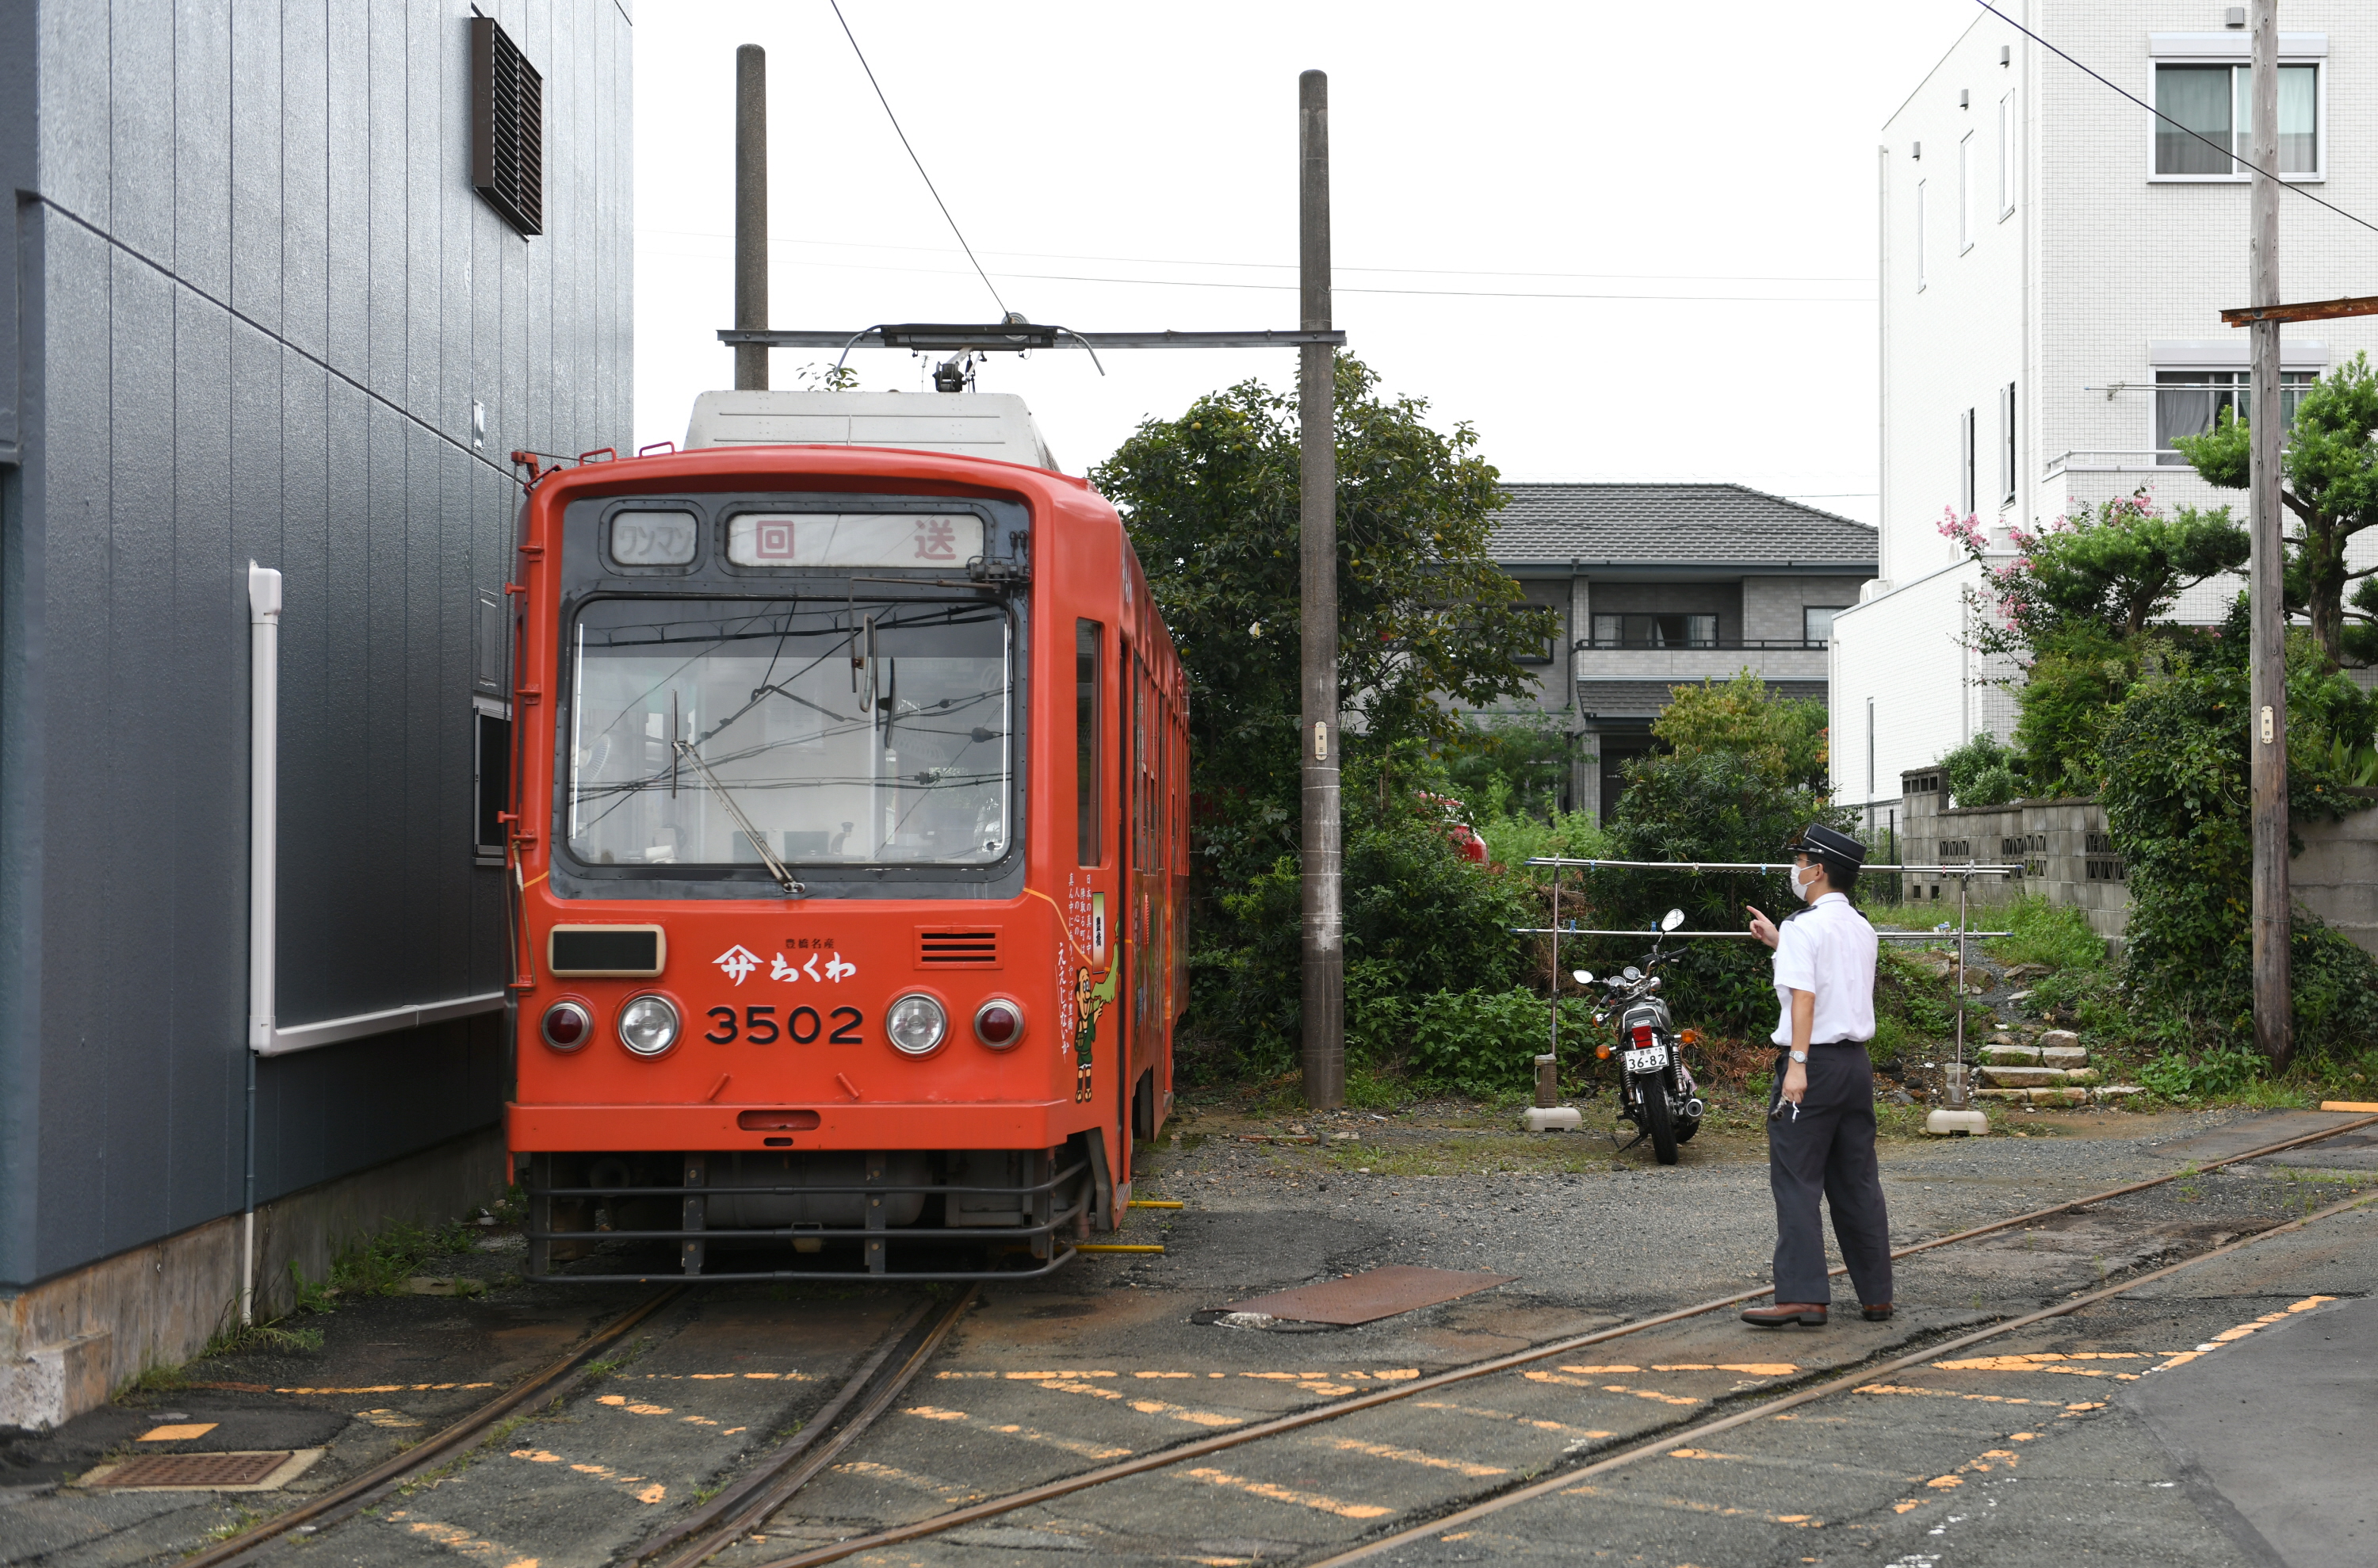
1608, 1388
1950, 1394
1147, 1407
947, 1491
1283, 1494
1752, 1369
2030, 1364
1597, 1371
1508, 1415
390, 1419
650, 1491
1702, 1453
454, 1539
1982, 1464
1414, 1457
1799, 1521
1070, 1446
181, 1433
383, 1388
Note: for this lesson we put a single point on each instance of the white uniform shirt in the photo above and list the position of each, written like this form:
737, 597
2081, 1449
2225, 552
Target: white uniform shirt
1828, 948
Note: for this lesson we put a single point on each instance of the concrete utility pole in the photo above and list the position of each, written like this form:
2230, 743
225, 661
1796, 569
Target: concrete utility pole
1324, 1050
751, 214
2274, 1009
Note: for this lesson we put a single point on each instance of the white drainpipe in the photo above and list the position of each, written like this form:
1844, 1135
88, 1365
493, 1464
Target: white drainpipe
263, 866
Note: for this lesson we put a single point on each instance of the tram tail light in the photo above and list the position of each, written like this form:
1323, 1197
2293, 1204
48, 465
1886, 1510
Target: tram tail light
566, 1026
998, 1023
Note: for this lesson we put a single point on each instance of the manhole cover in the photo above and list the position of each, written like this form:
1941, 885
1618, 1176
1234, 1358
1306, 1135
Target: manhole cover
201, 1470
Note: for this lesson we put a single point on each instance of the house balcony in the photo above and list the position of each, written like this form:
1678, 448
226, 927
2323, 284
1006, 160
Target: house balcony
1771, 659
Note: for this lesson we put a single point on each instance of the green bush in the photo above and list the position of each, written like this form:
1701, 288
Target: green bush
2177, 1077
1981, 773
2055, 934
1485, 1042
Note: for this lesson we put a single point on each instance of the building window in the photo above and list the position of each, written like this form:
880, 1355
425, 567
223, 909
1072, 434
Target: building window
1816, 623
1655, 631
507, 128
1089, 686
2006, 156
2216, 104
1966, 463
2005, 444
2189, 402
1919, 237
1968, 194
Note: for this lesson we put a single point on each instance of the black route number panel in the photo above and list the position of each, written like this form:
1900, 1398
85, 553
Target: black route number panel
759, 1025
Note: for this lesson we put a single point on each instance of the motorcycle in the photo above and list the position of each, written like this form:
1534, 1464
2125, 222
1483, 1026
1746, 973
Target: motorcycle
1655, 1088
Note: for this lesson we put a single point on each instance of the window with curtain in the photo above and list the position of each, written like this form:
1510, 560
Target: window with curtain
2189, 402
2217, 103
1668, 631
1817, 622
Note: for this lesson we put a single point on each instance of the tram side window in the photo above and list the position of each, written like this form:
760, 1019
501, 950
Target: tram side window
491, 779
1088, 638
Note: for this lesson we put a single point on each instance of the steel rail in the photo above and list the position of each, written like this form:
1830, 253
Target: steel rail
1868, 1374
746, 1505
1315, 1415
352, 1496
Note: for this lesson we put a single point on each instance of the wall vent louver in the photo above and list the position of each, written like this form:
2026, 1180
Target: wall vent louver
957, 947
507, 128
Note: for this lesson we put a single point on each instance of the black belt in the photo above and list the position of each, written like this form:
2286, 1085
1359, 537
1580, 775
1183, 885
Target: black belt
1814, 1043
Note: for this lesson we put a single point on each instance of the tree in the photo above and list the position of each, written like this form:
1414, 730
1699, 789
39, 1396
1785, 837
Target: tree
2329, 481
1426, 620
2116, 567
1785, 736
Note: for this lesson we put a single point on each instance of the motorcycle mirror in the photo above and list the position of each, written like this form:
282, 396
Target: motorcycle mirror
1672, 920
1582, 976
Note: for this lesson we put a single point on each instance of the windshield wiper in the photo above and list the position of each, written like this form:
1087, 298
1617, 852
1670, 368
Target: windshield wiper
775, 867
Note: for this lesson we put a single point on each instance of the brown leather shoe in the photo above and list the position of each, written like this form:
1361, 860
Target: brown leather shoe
1879, 1313
1807, 1314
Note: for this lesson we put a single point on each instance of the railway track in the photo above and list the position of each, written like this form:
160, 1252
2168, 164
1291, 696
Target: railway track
769, 1480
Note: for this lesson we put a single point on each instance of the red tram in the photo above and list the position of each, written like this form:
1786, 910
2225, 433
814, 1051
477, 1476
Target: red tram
849, 839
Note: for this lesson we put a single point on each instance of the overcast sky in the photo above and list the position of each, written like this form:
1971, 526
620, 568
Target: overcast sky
1625, 242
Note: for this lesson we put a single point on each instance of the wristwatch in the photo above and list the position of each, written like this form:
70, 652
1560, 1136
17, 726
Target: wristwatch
1799, 1055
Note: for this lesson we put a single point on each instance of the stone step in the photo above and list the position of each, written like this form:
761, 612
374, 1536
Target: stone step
2114, 1094
2063, 1055
2039, 1077
2011, 1055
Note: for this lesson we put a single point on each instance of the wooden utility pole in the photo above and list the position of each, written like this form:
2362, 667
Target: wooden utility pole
2268, 741
751, 214
1323, 1052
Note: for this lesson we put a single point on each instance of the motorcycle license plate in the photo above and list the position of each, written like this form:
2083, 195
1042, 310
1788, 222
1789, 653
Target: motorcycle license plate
1652, 1058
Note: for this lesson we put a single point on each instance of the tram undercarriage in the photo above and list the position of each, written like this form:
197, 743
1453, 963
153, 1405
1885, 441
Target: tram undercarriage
811, 1214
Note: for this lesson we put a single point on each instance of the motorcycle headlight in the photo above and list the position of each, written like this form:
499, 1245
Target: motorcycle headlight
917, 1025
648, 1026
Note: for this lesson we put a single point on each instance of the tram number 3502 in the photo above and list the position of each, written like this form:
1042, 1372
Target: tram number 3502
801, 1026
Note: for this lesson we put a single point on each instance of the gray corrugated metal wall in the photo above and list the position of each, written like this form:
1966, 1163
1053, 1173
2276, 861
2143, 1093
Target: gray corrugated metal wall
258, 300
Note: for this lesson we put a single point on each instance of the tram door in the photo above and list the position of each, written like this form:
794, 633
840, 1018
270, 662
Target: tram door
1139, 996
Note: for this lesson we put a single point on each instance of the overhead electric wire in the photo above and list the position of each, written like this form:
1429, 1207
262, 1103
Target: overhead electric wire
1287, 266
2224, 152
913, 158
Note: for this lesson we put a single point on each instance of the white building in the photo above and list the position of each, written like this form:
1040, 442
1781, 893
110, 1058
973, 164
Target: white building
2054, 262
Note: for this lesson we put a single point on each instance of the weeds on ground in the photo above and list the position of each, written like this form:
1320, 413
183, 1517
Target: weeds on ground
2057, 935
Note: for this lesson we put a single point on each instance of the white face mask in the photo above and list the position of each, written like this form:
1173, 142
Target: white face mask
1805, 889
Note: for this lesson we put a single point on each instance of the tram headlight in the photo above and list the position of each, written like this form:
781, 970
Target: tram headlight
998, 1023
917, 1025
648, 1026
566, 1026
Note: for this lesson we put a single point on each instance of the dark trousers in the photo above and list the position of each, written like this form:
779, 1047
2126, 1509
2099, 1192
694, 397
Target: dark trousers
1828, 1149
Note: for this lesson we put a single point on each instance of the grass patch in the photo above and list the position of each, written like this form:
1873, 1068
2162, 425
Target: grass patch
2057, 935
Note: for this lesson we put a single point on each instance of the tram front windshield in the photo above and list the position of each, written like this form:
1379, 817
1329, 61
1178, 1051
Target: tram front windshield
844, 731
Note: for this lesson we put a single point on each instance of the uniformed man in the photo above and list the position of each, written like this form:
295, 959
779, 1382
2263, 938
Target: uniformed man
1821, 1117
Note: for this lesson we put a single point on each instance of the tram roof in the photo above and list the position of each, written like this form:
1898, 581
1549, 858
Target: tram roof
994, 425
